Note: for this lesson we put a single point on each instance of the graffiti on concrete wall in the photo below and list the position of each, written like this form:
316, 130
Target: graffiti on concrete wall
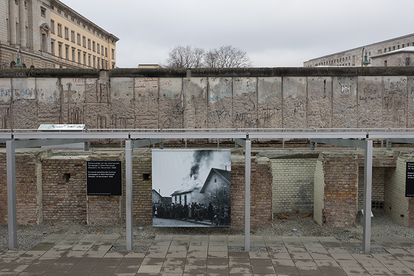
210, 102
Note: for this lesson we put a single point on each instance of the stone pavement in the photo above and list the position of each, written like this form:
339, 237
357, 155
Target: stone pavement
209, 255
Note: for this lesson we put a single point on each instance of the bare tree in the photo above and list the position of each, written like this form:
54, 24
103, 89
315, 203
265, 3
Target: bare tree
192, 57
227, 57
185, 57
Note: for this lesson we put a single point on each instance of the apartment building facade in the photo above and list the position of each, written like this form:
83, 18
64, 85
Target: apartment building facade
395, 50
49, 34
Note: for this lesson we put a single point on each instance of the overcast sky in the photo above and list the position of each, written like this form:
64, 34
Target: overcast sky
274, 33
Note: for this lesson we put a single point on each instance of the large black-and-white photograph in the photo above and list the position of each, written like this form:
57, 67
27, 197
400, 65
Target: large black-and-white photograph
191, 188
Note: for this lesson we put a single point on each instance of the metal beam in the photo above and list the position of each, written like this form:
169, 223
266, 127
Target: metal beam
247, 171
342, 142
47, 142
188, 135
307, 135
391, 135
71, 135
366, 240
128, 196
145, 142
11, 194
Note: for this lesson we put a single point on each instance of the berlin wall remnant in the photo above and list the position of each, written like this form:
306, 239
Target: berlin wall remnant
210, 98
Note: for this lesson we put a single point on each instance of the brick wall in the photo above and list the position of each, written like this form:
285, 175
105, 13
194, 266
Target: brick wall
142, 189
340, 189
378, 185
26, 186
64, 189
293, 184
260, 192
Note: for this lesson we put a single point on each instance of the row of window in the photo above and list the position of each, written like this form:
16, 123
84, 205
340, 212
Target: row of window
339, 60
80, 40
75, 55
83, 24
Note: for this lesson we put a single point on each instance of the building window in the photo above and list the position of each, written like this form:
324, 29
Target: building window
389, 49
102, 51
84, 41
398, 47
97, 48
72, 34
43, 11
79, 39
113, 65
52, 26
385, 63
84, 58
79, 56
407, 62
403, 46
52, 47
66, 33
385, 50
67, 52
393, 48
59, 29
93, 46
113, 53
106, 52
94, 61
60, 50
89, 44
44, 46
73, 54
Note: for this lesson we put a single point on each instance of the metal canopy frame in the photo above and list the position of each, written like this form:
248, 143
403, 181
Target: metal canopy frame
150, 137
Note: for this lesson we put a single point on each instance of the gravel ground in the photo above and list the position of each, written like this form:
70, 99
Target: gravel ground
382, 226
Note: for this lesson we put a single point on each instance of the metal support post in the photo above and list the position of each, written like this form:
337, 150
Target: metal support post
11, 193
128, 196
247, 168
366, 241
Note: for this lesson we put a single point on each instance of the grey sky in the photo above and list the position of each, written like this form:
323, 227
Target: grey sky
274, 33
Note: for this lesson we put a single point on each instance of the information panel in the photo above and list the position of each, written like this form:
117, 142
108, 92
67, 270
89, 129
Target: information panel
409, 180
104, 178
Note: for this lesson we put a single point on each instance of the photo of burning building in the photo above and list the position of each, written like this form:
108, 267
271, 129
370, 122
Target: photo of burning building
197, 186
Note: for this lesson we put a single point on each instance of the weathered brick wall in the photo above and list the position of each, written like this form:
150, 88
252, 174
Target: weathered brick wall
293, 184
64, 198
27, 194
141, 189
340, 190
378, 184
104, 210
260, 192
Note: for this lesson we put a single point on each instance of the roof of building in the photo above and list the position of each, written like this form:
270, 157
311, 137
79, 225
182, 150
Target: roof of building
81, 17
368, 45
224, 174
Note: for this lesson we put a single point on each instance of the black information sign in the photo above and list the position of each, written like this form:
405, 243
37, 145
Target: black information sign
409, 180
104, 178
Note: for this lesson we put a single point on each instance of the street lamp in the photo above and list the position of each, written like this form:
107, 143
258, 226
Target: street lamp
19, 56
365, 60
